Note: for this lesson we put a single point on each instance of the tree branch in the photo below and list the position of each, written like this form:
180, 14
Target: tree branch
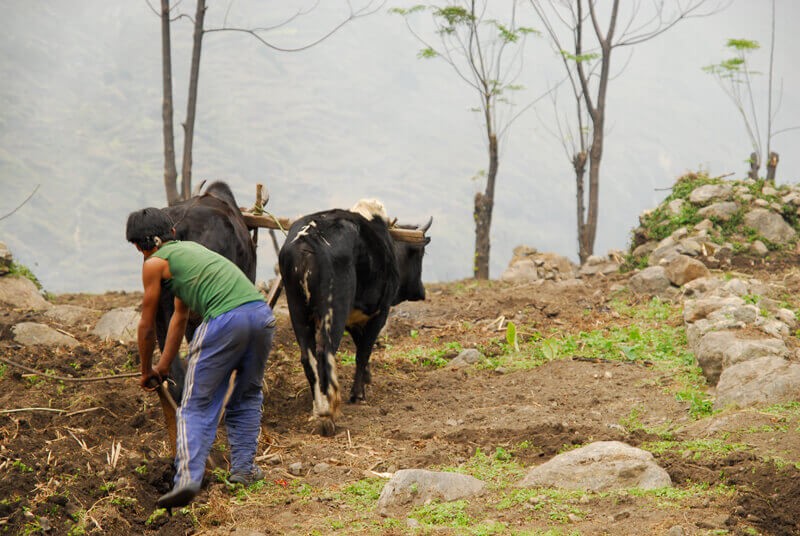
21, 204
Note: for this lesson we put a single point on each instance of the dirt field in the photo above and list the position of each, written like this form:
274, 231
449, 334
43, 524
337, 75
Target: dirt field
590, 367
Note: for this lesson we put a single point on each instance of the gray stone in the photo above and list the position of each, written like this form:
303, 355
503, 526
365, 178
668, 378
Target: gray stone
765, 380
467, 357
296, 469
702, 285
118, 325
32, 334
736, 287
761, 203
651, 280
600, 466
521, 271
774, 327
719, 350
412, 487
769, 191
681, 269
759, 248
770, 225
705, 225
72, 315
19, 292
675, 206
694, 310
645, 249
723, 211
709, 192
787, 317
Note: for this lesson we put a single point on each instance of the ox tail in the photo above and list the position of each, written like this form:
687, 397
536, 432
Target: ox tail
329, 336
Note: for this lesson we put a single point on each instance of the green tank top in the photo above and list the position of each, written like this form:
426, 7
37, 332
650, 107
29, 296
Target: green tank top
208, 283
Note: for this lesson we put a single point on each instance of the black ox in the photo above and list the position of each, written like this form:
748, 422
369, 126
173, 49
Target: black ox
214, 220
342, 271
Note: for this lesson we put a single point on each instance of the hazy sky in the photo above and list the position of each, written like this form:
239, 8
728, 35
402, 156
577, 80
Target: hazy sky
357, 116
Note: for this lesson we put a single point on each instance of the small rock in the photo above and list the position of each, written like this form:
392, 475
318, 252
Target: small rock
296, 469
677, 530
321, 467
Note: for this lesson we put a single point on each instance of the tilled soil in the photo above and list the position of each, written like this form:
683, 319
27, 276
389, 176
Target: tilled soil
99, 463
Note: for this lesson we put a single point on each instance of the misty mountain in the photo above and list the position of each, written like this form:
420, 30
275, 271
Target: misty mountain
355, 116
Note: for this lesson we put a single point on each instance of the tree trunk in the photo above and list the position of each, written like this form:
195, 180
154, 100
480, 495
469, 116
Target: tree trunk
194, 76
170, 171
755, 163
484, 204
595, 157
772, 165
579, 165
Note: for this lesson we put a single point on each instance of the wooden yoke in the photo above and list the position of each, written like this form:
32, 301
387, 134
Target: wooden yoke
256, 219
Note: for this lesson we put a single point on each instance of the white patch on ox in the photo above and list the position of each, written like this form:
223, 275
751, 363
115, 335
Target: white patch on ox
321, 406
369, 208
304, 285
304, 231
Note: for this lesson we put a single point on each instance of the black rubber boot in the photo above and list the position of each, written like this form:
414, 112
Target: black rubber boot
179, 496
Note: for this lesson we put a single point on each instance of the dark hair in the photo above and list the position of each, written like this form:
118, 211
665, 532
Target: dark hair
145, 225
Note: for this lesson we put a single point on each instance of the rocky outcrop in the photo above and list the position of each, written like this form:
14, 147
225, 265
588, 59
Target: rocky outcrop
600, 466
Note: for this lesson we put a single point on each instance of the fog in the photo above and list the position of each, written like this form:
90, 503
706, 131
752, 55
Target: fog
358, 115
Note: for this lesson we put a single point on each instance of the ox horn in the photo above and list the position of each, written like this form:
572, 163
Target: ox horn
427, 226
198, 188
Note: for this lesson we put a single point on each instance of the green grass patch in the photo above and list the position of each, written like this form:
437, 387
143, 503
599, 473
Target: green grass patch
443, 514
362, 494
696, 449
433, 357
24, 271
498, 469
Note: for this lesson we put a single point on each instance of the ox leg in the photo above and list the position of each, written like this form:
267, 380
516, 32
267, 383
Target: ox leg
364, 339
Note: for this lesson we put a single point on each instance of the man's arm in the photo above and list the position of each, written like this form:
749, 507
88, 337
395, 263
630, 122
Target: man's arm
175, 332
146, 333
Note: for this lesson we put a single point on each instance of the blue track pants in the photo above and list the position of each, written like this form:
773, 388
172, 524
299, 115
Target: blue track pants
238, 340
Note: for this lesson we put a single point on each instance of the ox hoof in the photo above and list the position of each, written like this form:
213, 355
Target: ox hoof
355, 399
325, 427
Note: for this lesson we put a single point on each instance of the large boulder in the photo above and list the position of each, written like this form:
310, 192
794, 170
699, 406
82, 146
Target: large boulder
600, 466
119, 325
413, 487
680, 269
710, 192
719, 350
20, 292
528, 264
723, 211
651, 281
33, 334
72, 315
770, 225
765, 380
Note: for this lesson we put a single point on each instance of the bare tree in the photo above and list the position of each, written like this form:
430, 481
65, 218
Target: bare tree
175, 195
735, 77
588, 67
487, 55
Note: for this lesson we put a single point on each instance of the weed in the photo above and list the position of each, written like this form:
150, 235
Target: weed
24, 271
21, 467
363, 493
696, 449
450, 514
498, 469
347, 358
157, 514
141, 470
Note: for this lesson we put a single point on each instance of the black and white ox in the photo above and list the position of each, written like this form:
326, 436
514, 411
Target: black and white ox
214, 220
342, 270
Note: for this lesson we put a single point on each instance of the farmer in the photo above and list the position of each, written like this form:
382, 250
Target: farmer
236, 334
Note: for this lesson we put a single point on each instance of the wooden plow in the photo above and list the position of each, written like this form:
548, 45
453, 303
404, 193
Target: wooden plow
256, 218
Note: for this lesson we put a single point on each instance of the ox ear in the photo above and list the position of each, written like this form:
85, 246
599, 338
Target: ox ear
427, 226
